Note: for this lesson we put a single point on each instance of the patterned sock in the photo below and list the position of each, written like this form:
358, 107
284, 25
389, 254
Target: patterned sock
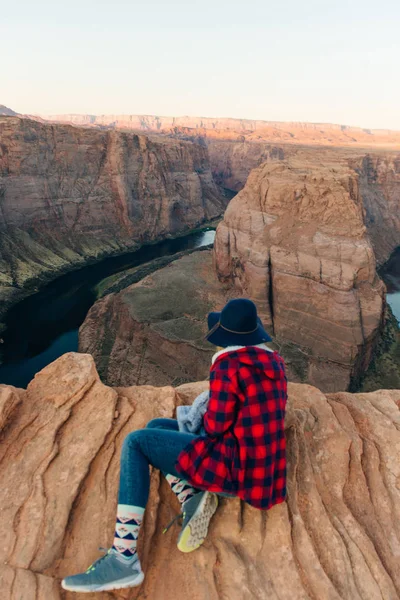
129, 519
181, 488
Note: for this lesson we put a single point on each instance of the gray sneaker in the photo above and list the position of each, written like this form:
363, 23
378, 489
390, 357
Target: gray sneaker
197, 513
110, 572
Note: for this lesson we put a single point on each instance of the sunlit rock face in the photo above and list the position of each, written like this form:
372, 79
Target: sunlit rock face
295, 241
336, 537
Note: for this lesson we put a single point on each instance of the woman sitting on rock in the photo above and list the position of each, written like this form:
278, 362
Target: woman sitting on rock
242, 451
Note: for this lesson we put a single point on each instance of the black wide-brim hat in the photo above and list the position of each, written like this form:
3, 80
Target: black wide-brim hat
236, 325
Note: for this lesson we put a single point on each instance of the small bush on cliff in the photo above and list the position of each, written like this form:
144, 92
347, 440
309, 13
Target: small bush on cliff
384, 370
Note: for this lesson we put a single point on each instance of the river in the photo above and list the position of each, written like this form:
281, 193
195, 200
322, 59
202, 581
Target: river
45, 325
391, 275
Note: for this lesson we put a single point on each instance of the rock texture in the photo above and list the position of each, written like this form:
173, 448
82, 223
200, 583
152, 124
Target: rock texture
152, 332
71, 195
294, 240
379, 180
337, 537
238, 145
232, 161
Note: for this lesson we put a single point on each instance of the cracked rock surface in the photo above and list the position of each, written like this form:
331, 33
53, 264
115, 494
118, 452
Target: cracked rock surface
337, 537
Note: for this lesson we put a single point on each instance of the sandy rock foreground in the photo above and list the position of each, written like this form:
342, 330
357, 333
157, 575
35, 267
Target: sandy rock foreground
338, 537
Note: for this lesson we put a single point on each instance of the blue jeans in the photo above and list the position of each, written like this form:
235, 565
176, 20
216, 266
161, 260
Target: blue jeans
159, 445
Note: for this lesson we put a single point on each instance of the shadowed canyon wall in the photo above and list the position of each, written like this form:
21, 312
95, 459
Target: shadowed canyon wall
336, 538
232, 161
379, 181
70, 195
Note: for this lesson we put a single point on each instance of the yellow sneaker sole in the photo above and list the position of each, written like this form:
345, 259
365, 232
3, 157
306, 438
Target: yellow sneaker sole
196, 529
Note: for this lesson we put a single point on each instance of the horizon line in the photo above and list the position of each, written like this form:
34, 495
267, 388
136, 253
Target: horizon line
187, 116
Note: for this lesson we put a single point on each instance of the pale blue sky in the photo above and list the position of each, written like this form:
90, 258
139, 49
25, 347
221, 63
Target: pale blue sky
310, 60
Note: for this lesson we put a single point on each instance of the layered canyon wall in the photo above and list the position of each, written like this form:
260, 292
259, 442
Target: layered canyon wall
232, 161
295, 241
336, 538
379, 181
238, 145
69, 195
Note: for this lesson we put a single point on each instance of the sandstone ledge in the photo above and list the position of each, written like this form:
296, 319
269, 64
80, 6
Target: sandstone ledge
338, 536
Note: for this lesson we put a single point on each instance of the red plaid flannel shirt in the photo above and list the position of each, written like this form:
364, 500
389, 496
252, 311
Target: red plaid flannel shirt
243, 452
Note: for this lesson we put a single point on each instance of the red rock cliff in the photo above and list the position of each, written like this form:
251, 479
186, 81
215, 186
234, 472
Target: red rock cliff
379, 180
238, 145
294, 240
70, 194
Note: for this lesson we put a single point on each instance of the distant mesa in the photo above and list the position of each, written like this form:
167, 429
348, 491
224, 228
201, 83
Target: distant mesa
316, 134
210, 130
